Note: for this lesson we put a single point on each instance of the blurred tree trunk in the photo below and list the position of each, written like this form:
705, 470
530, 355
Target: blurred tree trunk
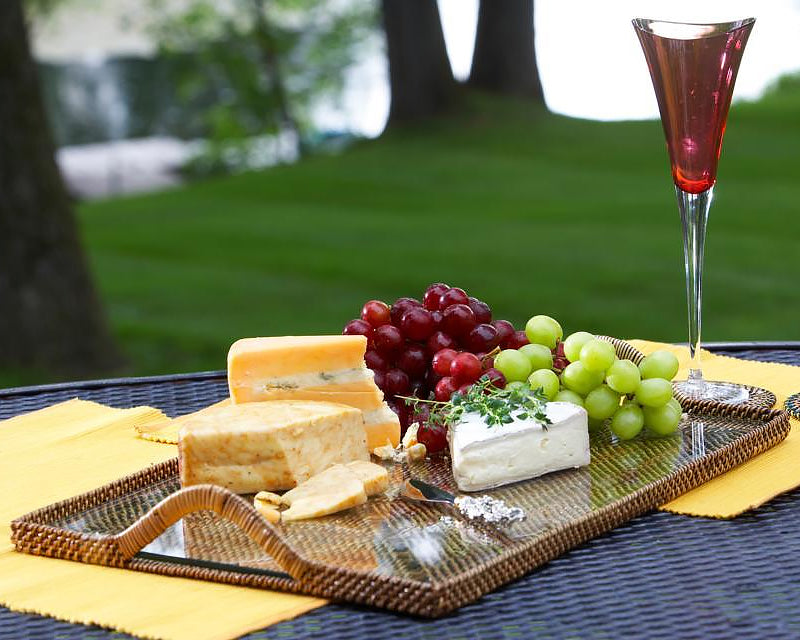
420, 76
268, 47
504, 60
50, 317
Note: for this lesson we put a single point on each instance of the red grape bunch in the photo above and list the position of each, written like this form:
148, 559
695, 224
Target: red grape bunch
434, 347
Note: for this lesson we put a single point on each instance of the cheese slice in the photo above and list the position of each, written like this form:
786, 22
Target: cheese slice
367, 401
486, 456
380, 422
382, 426
268, 445
318, 368
323, 363
335, 489
374, 477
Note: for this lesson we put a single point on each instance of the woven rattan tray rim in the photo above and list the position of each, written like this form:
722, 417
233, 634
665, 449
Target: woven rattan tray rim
32, 534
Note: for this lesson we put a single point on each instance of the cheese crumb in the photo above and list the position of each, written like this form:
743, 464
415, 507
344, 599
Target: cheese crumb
416, 451
410, 437
268, 497
410, 448
386, 452
267, 510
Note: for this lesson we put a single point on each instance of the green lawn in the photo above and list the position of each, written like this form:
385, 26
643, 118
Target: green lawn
533, 212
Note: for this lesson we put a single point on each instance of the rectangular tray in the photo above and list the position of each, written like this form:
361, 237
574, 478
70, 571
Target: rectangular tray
422, 559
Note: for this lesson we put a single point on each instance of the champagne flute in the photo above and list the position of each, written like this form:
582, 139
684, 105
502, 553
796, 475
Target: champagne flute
693, 68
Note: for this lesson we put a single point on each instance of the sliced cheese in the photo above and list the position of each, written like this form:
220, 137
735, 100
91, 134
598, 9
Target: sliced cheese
343, 381
318, 368
382, 425
268, 445
366, 401
374, 477
335, 489
256, 365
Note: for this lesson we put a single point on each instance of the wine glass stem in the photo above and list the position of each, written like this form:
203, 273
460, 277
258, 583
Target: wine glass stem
694, 216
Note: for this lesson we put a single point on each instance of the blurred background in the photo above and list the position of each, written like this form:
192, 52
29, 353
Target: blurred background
177, 174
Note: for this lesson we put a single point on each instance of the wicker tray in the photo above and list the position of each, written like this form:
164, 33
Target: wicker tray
391, 553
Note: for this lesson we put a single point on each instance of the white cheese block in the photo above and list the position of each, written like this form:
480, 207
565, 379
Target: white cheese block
485, 456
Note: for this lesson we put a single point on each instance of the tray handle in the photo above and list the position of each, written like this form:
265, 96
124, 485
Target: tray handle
208, 497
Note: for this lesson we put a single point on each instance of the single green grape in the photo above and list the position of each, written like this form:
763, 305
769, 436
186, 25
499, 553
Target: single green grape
576, 377
628, 421
623, 376
654, 392
597, 355
540, 356
673, 402
659, 364
662, 420
546, 380
595, 424
573, 344
511, 386
514, 365
544, 330
601, 403
565, 395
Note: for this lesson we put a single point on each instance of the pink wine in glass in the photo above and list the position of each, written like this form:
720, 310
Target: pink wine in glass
693, 68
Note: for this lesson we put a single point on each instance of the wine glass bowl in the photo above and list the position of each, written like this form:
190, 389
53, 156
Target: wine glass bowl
693, 68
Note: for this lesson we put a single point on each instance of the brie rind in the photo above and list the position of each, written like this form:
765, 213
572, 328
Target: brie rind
486, 456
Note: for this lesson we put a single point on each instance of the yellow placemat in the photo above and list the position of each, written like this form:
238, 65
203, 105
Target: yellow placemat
166, 430
76, 446
765, 476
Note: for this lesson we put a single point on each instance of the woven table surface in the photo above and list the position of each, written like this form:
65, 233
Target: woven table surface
659, 576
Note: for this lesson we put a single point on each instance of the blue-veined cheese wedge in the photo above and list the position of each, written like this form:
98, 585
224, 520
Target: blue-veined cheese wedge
319, 368
258, 366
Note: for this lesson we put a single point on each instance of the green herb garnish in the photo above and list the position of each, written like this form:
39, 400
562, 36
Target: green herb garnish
497, 406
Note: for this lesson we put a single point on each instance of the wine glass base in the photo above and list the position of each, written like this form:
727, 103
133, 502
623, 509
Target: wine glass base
727, 392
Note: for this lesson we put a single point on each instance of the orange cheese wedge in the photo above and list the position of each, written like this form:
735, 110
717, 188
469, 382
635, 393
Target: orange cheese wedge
315, 368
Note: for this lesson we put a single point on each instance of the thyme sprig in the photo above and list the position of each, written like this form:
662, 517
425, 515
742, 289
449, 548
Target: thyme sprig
497, 406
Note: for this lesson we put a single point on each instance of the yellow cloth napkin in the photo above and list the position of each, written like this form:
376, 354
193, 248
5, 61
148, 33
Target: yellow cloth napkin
76, 446
166, 430
765, 476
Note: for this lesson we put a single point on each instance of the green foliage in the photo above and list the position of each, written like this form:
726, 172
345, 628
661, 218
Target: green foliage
257, 67
787, 86
497, 406
41, 8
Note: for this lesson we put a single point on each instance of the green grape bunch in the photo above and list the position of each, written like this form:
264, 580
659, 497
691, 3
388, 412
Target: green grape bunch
630, 397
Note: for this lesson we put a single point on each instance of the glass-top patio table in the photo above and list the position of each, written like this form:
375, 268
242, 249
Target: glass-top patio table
658, 576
